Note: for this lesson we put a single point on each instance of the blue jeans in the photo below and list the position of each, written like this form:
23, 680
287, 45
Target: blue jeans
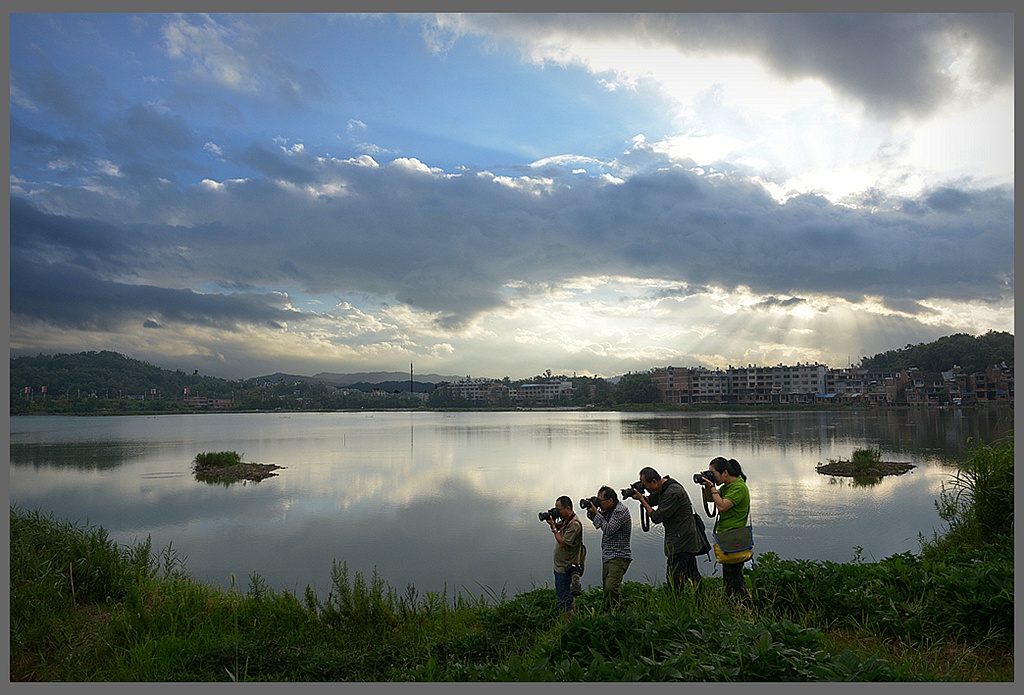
566, 601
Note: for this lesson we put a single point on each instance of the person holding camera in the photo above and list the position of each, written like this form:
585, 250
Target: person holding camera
683, 543
568, 531
732, 501
613, 519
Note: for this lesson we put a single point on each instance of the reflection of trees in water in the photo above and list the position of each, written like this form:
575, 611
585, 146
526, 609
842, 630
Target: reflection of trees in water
78, 455
854, 481
944, 434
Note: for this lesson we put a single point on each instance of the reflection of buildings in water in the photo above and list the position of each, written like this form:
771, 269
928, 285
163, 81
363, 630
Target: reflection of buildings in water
896, 430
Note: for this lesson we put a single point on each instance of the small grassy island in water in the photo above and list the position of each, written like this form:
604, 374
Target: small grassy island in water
228, 467
865, 463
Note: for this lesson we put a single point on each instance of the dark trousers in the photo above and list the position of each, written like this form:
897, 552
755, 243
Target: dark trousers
682, 569
732, 579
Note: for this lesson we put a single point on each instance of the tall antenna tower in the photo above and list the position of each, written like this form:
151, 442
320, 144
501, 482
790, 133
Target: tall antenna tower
410, 379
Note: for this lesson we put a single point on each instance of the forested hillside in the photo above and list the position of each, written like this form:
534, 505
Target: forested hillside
972, 353
107, 375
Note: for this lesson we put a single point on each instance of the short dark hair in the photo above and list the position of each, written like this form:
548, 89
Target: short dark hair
565, 501
609, 493
649, 474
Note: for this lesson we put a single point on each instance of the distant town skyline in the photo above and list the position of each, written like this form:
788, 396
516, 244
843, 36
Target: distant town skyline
500, 194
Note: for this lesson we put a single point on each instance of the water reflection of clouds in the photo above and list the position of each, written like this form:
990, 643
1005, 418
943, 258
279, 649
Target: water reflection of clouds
400, 490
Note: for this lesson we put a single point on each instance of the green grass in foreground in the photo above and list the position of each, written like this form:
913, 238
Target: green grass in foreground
84, 609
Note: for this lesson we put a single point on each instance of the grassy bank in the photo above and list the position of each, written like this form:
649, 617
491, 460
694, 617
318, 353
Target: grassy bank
85, 609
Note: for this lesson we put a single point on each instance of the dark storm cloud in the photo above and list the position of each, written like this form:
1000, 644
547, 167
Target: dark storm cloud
275, 165
449, 244
37, 237
776, 303
41, 147
147, 143
84, 273
48, 89
145, 129
72, 297
892, 63
907, 306
949, 200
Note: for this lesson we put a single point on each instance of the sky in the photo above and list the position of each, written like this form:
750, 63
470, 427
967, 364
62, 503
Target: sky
502, 194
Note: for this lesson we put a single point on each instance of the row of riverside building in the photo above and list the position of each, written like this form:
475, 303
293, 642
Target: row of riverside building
492, 390
780, 385
802, 384
816, 383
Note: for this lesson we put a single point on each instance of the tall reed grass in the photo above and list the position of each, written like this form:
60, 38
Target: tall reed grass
977, 502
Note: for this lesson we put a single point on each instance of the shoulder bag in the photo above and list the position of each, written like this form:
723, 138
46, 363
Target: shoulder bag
735, 545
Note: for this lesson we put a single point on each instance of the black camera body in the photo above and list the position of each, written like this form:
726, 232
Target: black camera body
549, 514
627, 492
574, 568
703, 475
588, 502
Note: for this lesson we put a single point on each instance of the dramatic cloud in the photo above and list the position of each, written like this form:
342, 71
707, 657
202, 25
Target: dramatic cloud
251, 186
891, 63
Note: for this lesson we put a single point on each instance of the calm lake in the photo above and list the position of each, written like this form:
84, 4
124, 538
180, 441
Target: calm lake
449, 501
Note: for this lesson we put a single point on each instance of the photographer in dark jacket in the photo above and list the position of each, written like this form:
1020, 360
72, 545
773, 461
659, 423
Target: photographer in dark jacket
683, 542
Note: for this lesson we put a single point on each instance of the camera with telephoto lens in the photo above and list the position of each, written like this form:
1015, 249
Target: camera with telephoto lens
549, 514
627, 492
574, 568
697, 477
588, 502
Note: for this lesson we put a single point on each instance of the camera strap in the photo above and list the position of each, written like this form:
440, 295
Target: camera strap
709, 502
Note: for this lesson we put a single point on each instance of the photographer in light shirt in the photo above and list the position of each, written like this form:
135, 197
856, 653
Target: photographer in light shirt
568, 532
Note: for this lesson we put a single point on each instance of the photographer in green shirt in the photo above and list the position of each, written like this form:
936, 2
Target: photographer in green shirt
732, 500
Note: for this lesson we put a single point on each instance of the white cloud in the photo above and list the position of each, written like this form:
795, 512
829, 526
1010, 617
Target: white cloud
414, 165
207, 48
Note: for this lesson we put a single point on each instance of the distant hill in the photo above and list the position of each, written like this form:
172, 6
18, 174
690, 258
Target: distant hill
350, 380
392, 386
108, 374
971, 353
